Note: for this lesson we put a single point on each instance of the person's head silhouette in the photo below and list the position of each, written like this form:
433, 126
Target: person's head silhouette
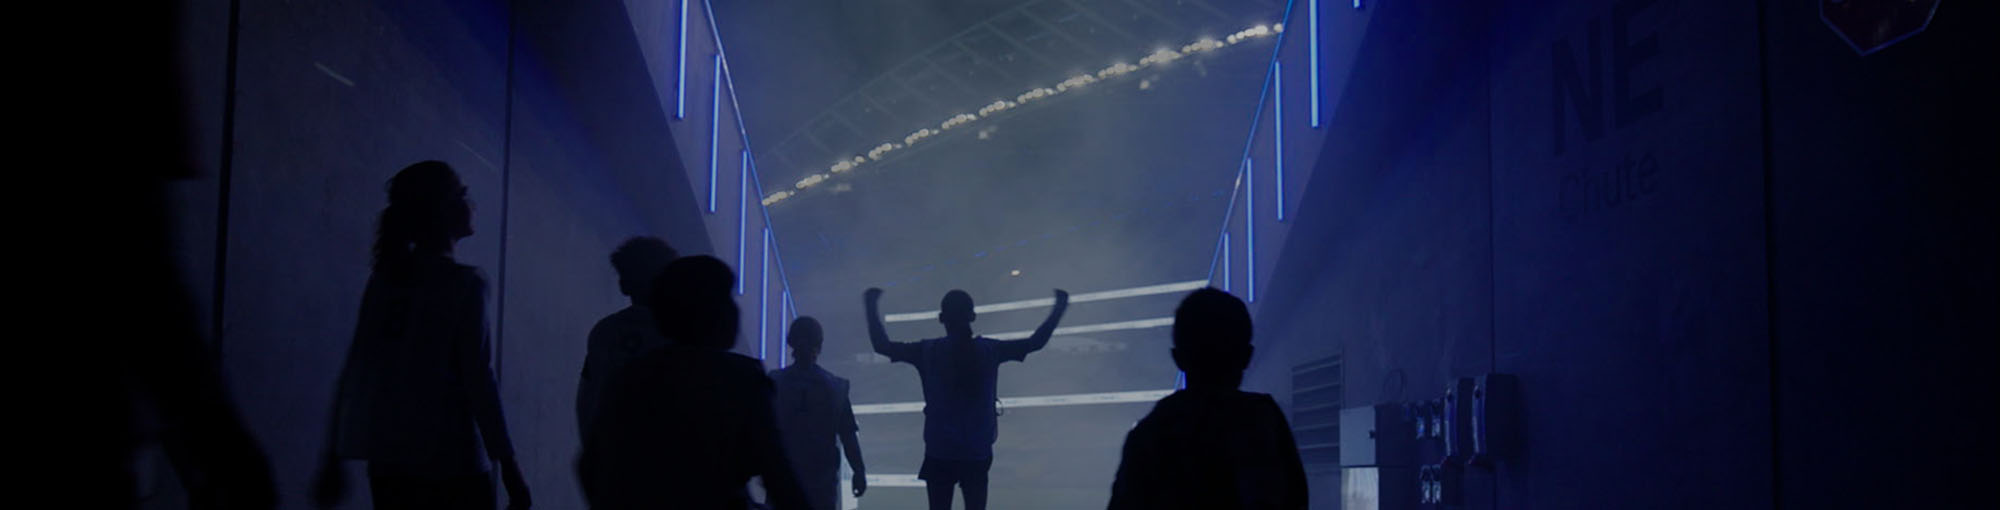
1212, 338
427, 213
692, 305
955, 311
805, 339
638, 261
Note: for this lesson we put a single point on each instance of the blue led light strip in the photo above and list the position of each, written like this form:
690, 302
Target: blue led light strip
1257, 116
1312, 13
764, 297
742, 217
1228, 268
1278, 135
754, 179
681, 81
784, 324
1222, 247
1250, 230
714, 133
777, 252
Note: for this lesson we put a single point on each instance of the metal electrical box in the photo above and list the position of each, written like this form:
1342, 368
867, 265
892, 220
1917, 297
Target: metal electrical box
1456, 423
1377, 458
1495, 402
1379, 488
1379, 435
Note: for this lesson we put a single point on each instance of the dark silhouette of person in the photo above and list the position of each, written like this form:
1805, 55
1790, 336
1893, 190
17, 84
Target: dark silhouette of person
960, 372
813, 410
1211, 446
417, 398
148, 376
690, 424
624, 335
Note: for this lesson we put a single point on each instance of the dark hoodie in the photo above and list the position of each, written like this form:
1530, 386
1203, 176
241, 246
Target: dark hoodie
1211, 450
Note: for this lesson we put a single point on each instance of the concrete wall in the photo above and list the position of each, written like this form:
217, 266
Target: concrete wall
532, 102
1734, 264
1388, 256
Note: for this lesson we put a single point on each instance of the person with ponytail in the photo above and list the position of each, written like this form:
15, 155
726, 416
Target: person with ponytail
960, 373
417, 399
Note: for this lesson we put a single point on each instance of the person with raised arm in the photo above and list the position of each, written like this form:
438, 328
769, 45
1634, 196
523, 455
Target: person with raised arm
960, 373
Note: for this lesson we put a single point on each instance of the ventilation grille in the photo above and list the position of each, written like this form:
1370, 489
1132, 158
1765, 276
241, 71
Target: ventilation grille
1316, 401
